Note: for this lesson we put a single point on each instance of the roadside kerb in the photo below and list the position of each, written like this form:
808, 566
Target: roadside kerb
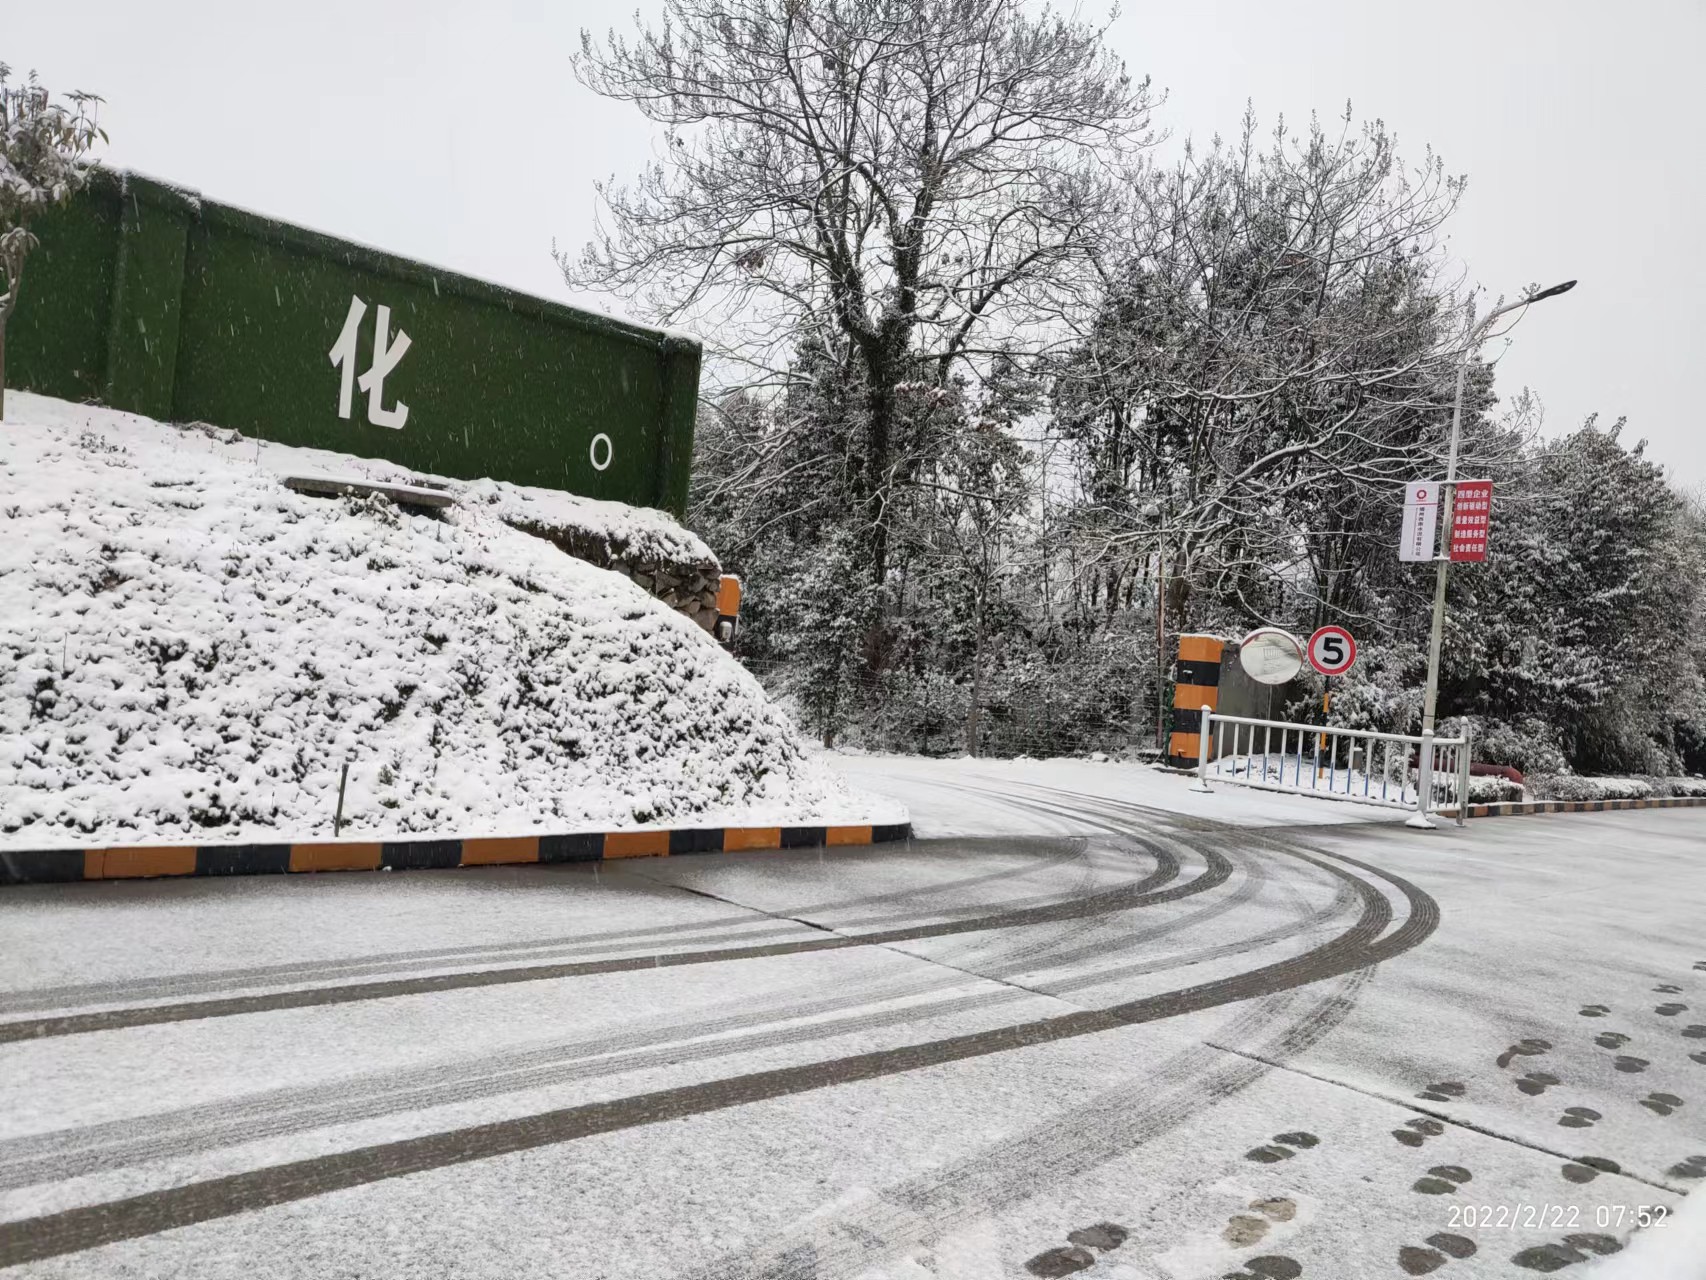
1522, 808
127, 862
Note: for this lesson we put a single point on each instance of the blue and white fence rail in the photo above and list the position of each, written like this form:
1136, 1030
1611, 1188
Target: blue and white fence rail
1421, 773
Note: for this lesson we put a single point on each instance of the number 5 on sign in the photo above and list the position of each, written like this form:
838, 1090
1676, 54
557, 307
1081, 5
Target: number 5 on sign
1332, 652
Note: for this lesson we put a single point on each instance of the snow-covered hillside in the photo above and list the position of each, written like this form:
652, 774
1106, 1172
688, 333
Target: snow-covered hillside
187, 648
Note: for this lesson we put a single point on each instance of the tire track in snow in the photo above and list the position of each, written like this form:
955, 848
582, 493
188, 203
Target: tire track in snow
1138, 893
922, 1210
1358, 947
64, 1154
733, 927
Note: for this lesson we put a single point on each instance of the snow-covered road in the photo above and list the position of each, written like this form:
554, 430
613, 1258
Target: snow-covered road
1088, 1027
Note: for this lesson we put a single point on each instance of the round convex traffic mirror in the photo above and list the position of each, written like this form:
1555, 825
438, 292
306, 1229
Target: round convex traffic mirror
1270, 655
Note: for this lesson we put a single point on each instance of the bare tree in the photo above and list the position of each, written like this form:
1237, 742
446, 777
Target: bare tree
896, 177
43, 150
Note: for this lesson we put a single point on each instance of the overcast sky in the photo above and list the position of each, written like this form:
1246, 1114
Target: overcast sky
454, 132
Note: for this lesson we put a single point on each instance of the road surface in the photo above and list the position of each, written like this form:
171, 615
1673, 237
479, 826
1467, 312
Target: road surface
1060, 1033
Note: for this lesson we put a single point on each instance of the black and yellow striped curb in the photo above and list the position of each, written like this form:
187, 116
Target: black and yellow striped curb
1521, 808
125, 862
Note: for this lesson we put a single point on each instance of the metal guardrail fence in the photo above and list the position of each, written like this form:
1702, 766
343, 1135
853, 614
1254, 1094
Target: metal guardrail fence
1422, 773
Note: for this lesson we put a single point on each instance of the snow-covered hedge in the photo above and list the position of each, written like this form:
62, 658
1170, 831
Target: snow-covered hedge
1493, 790
1576, 787
1571, 787
187, 648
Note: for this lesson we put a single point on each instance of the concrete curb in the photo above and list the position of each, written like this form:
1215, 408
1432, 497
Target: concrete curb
1522, 808
127, 862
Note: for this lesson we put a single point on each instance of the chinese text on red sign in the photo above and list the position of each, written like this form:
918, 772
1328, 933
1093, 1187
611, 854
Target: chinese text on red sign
1469, 519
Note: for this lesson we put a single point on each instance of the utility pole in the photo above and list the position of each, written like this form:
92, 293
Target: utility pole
1160, 640
1477, 335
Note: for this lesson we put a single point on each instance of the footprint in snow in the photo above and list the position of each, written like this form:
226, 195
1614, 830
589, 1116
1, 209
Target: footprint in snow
1414, 1260
1668, 989
1442, 1180
1523, 1048
1536, 1083
1418, 1131
1050, 1264
1585, 1169
1075, 1255
1661, 1103
1595, 1010
1579, 1117
1270, 1266
1246, 1229
1694, 1031
1700, 964
1443, 1092
1670, 1010
1630, 1066
1693, 1167
1573, 1249
1281, 1147
1103, 1236
1611, 1039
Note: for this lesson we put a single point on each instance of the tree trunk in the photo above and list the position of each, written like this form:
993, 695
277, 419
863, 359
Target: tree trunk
880, 405
2, 366
829, 724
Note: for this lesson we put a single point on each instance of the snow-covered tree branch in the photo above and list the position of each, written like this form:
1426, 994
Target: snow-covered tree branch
885, 178
44, 148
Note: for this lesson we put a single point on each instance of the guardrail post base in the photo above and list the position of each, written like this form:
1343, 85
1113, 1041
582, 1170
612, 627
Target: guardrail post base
1464, 769
1203, 731
1424, 786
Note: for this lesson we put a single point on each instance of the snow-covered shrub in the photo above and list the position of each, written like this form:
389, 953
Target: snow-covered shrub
1573, 787
1528, 744
1493, 790
1676, 786
1362, 703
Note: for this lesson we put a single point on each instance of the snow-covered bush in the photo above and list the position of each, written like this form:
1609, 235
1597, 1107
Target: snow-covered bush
1493, 790
1572, 787
1528, 744
1360, 702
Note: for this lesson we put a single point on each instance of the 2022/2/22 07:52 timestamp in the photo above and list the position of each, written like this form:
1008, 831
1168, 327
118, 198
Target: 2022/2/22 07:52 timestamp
1607, 1217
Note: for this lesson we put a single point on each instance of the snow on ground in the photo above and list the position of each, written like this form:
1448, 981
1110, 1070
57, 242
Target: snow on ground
1368, 1124
1673, 1248
954, 797
641, 533
187, 648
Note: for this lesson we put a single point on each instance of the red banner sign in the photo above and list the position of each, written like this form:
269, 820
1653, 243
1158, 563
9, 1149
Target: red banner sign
1469, 519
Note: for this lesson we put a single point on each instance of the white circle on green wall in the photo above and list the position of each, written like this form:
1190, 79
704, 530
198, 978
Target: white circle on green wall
608, 448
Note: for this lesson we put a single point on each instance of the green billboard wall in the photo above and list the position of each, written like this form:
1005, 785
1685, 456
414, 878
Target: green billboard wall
148, 298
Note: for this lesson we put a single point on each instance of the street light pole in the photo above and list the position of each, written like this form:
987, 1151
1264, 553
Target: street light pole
1477, 335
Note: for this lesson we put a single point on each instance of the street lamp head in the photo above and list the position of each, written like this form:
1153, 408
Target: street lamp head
1550, 293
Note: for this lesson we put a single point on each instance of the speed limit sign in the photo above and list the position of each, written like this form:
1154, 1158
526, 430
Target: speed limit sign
1332, 651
